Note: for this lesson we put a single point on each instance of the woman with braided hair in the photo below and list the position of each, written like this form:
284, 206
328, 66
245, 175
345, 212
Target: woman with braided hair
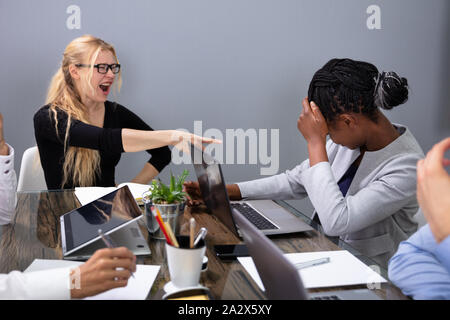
362, 181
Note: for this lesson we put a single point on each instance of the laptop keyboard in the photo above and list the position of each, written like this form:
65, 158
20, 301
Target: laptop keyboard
254, 216
325, 298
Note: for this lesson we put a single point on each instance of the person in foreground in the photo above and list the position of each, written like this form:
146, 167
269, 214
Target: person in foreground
81, 135
421, 266
98, 274
361, 181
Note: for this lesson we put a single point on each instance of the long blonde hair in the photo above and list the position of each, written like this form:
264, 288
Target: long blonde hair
81, 165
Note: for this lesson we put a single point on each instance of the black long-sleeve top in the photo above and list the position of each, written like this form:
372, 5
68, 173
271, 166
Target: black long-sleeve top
108, 140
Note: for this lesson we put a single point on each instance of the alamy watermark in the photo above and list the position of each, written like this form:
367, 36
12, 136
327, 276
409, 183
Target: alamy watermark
251, 146
373, 280
75, 279
73, 21
373, 22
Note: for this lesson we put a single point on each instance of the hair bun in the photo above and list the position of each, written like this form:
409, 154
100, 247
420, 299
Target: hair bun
390, 90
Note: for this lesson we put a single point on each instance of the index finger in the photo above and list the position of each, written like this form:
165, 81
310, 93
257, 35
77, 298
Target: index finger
316, 111
436, 155
198, 141
210, 140
306, 106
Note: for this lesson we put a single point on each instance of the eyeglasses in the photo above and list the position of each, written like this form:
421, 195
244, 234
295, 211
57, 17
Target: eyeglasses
103, 67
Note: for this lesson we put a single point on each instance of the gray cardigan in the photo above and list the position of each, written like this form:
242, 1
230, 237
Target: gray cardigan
377, 212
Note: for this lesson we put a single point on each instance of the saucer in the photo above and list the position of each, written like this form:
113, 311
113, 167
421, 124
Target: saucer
169, 287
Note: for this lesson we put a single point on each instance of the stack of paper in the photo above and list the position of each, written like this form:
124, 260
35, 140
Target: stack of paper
89, 194
137, 288
344, 269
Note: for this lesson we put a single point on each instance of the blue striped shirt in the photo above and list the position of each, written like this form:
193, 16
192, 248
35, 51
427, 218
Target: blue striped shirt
421, 266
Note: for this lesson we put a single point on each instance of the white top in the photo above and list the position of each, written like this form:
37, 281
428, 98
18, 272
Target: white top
49, 284
8, 184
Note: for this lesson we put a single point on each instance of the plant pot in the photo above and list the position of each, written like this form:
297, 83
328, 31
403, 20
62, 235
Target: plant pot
170, 213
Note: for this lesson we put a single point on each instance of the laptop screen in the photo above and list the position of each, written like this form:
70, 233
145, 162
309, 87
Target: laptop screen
80, 226
280, 278
212, 187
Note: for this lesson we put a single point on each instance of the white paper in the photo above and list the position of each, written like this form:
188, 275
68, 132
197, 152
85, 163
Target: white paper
89, 194
344, 269
137, 288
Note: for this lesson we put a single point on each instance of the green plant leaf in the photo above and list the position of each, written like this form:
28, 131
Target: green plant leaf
181, 180
172, 182
173, 192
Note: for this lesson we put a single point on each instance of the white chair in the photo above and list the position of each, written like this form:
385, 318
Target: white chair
31, 177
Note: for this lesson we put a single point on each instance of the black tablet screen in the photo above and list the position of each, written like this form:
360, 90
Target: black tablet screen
106, 213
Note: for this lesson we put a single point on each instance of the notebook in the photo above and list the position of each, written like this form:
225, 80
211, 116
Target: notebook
276, 274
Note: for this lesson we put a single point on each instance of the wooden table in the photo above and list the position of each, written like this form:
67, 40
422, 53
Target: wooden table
35, 233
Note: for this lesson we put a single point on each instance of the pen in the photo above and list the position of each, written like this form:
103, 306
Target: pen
200, 235
171, 235
191, 234
307, 264
162, 227
109, 242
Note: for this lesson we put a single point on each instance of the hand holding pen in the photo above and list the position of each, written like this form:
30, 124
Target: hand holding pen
106, 269
109, 243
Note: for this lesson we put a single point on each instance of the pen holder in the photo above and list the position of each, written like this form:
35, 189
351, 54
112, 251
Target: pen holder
184, 263
170, 213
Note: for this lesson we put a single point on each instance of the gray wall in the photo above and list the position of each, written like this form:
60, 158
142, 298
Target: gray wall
233, 64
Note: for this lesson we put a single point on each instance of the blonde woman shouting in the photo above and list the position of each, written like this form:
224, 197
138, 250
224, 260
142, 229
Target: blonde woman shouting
81, 135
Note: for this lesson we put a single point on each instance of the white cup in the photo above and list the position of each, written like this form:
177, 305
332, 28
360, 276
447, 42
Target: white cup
185, 264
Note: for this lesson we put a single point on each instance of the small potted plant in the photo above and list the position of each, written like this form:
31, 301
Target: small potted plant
169, 200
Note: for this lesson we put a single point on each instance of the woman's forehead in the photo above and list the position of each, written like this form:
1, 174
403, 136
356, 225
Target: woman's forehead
105, 56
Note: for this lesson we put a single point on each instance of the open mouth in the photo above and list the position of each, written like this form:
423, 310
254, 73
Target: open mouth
105, 87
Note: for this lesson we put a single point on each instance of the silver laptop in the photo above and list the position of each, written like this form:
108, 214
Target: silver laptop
266, 215
280, 277
116, 214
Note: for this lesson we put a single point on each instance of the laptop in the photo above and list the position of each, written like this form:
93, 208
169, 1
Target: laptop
116, 214
281, 279
266, 215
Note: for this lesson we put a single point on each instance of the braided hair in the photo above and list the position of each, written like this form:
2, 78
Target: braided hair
345, 85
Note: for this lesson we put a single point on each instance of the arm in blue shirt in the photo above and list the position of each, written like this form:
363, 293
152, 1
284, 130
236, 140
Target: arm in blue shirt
421, 266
